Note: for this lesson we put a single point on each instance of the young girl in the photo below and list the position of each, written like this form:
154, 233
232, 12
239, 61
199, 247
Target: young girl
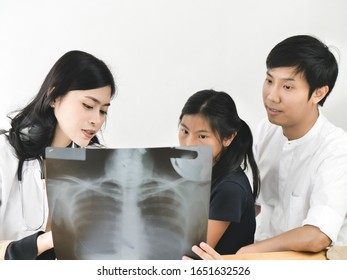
210, 118
69, 110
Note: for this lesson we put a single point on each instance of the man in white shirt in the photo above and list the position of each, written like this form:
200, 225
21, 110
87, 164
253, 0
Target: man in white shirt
302, 157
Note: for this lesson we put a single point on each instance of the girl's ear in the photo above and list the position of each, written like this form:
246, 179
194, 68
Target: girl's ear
227, 141
319, 94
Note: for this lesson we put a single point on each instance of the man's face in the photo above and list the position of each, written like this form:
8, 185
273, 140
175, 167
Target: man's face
285, 96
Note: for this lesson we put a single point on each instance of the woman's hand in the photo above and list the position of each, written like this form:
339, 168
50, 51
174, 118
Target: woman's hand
205, 252
44, 242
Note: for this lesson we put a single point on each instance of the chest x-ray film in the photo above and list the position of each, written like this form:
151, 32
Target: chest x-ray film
138, 203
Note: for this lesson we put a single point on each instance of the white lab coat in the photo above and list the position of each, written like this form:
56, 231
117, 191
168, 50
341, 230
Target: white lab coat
17, 222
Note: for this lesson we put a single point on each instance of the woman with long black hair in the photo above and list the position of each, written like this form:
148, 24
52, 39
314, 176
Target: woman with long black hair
69, 110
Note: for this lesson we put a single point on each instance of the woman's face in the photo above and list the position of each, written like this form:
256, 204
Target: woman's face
80, 115
195, 130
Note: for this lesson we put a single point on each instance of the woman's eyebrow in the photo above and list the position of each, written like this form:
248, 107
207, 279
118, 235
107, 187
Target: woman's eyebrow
97, 101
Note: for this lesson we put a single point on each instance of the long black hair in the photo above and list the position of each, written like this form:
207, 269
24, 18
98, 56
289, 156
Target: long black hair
219, 109
33, 127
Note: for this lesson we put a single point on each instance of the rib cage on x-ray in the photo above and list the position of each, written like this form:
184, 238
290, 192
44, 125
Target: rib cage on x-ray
133, 214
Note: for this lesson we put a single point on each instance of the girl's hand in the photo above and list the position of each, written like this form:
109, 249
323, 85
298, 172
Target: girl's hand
205, 252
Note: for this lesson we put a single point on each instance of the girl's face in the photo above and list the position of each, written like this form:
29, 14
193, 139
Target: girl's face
195, 130
80, 115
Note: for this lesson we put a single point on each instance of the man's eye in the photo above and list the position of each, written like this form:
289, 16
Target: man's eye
202, 136
287, 87
103, 112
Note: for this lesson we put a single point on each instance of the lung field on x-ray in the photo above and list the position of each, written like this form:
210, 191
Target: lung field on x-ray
139, 209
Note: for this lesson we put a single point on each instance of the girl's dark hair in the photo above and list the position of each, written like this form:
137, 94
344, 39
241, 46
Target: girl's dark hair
219, 109
33, 127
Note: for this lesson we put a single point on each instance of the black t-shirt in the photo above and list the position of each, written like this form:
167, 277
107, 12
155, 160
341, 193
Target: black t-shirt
232, 200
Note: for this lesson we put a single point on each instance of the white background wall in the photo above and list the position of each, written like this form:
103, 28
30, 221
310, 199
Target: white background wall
161, 52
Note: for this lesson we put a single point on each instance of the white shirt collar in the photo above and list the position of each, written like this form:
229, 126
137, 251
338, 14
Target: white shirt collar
311, 133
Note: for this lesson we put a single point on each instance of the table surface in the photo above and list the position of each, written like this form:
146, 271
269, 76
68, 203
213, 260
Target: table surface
285, 255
